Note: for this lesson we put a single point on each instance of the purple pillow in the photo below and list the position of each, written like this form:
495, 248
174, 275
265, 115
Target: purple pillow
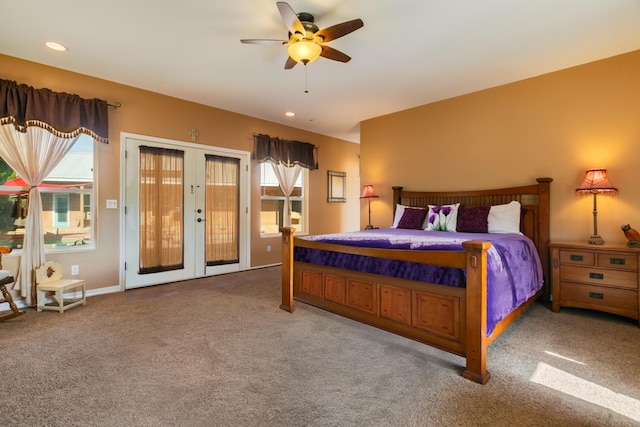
473, 219
412, 218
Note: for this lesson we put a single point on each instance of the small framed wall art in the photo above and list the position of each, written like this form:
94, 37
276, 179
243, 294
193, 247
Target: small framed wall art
336, 187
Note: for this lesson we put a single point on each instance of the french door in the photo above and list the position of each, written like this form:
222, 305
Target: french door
186, 211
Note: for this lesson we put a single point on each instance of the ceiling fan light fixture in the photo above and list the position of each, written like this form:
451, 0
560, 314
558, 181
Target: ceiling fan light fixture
304, 51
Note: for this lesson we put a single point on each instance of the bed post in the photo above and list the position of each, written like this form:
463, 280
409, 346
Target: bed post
287, 269
476, 309
397, 199
544, 233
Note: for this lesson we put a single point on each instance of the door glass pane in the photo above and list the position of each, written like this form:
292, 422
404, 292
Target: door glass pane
161, 209
222, 199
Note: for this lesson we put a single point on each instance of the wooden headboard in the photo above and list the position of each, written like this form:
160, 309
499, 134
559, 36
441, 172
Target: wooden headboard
534, 199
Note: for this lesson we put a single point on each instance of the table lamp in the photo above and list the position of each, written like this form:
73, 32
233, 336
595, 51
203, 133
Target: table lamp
368, 193
596, 182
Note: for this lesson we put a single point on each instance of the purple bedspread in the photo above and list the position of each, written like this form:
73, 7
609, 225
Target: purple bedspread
514, 272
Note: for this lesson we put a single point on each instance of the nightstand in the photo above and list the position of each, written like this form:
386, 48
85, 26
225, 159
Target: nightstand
596, 277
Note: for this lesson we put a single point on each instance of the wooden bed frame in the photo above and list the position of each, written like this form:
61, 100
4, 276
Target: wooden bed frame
452, 319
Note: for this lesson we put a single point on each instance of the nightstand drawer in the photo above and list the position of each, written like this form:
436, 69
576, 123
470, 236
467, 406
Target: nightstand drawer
598, 297
599, 276
577, 257
618, 261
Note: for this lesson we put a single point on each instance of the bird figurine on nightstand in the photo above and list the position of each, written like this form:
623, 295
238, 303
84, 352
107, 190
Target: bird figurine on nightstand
632, 235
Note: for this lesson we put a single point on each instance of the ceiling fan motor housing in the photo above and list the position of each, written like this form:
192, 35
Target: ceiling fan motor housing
306, 19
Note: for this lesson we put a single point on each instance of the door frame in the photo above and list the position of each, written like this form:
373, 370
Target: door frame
185, 145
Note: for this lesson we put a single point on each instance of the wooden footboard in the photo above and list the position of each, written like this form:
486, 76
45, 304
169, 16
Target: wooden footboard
452, 319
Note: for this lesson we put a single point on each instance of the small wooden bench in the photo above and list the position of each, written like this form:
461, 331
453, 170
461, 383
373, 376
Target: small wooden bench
49, 279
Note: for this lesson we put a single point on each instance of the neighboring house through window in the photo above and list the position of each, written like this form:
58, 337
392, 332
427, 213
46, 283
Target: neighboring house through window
67, 201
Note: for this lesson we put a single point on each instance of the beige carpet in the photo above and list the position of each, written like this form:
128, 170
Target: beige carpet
219, 352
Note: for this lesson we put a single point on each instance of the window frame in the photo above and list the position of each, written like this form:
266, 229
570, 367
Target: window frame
304, 199
82, 193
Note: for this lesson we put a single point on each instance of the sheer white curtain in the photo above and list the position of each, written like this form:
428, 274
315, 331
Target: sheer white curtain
287, 177
33, 155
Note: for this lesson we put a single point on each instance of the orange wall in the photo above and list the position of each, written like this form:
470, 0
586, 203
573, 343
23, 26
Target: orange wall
156, 115
555, 125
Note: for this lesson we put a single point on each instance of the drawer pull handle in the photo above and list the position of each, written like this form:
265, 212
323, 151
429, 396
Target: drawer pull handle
596, 295
576, 258
616, 261
598, 276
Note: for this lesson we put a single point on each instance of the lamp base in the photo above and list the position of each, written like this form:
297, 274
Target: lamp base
595, 240
370, 227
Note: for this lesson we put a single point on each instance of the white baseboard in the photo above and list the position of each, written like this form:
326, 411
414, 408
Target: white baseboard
116, 288
90, 293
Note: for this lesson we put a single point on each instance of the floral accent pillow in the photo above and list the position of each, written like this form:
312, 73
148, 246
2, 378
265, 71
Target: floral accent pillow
412, 218
442, 218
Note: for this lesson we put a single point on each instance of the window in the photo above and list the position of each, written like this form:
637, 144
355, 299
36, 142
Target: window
61, 210
272, 202
67, 201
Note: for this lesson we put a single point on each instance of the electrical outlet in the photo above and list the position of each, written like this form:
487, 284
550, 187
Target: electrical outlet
269, 248
75, 270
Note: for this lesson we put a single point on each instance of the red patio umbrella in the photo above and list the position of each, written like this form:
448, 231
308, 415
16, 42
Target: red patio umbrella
19, 182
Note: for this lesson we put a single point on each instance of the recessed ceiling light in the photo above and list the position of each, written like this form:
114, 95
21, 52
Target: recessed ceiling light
290, 114
56, 46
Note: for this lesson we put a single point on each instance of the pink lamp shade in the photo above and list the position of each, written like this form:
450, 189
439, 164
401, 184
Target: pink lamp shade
596, 181
368, 192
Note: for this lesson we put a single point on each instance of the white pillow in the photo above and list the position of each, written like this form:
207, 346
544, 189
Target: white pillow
505, 218
398, 215
442, 218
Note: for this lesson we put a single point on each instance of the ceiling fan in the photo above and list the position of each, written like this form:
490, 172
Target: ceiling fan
306, 40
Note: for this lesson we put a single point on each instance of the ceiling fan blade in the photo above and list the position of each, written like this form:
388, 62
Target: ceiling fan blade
339, 30
263, 41
336, 55
289, 64
290, 18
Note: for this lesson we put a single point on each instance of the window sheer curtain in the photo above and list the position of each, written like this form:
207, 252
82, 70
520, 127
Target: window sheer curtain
33, 155
161, 210
222, 198
287, 158
287, 177
37, 129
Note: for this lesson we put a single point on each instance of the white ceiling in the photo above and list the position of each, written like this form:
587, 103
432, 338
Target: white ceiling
409, 52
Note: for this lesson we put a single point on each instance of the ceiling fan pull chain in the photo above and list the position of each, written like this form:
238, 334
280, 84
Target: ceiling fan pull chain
306, 80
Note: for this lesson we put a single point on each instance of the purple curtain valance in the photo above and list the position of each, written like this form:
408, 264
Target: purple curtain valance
61, 113
288, 153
